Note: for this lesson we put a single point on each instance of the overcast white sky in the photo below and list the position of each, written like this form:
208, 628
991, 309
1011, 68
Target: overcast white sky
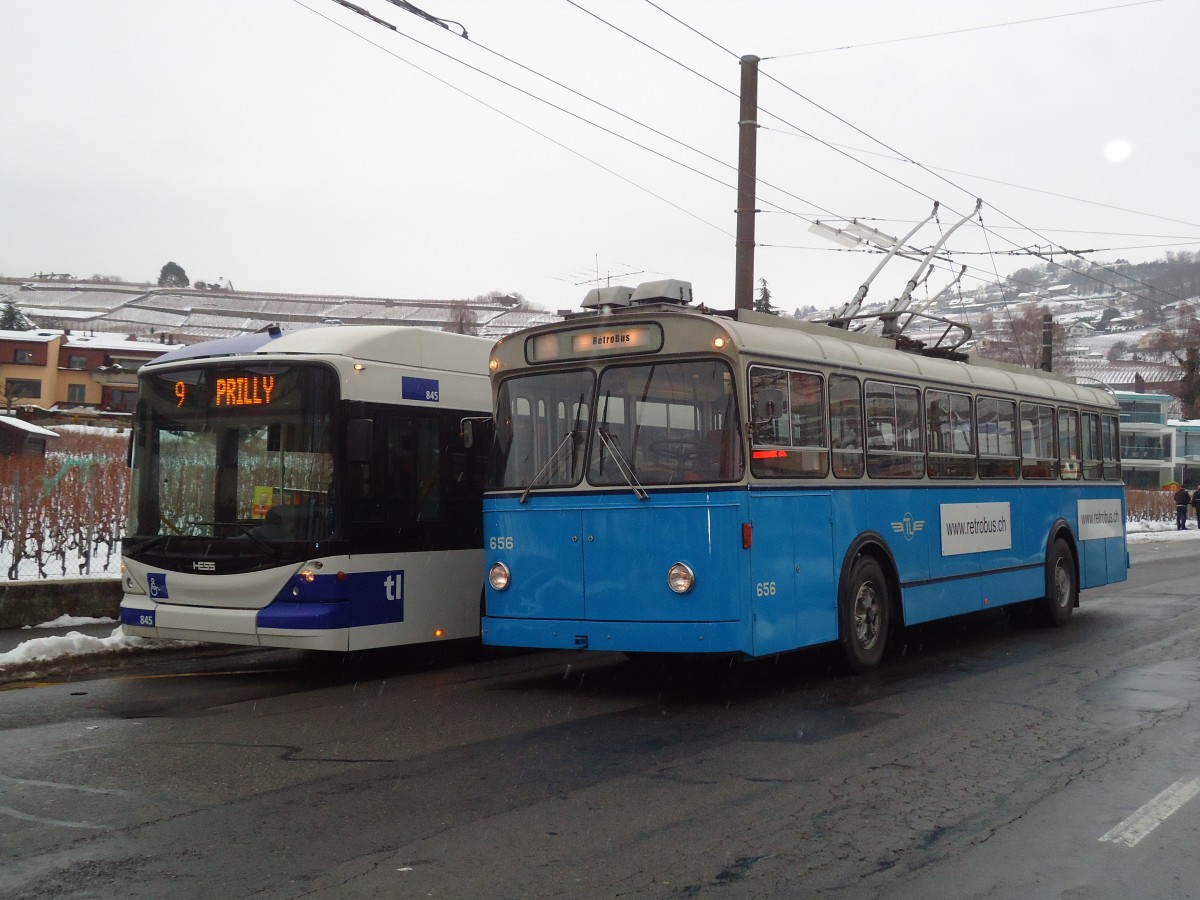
292, 145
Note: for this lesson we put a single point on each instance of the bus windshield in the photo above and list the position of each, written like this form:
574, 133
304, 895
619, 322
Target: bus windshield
666, 423
650, 424
241, 451
541, 423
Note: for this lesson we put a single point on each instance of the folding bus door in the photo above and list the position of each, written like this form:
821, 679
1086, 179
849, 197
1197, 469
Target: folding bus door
793, 587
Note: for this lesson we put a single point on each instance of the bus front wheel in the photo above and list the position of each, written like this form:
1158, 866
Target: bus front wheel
1062, 587
864, 613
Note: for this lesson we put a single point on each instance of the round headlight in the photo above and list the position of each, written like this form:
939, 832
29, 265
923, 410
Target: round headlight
680, 578
498, 576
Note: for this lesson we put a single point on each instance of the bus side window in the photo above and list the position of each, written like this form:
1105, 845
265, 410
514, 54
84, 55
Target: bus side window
789, 424
894, 445
1068, 444
1038, 442
1093, 466
948, 420
996, 435
846, 426
1112, 450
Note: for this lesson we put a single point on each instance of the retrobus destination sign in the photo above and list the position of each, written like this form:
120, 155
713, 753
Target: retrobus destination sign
590, 342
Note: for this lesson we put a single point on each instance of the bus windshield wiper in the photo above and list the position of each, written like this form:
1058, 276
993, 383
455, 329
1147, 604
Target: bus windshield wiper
571, 438
244, 529
622, 462
143, 544
623, 465
574, 437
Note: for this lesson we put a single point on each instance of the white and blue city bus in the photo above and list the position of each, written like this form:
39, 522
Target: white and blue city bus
669, 480
310, 489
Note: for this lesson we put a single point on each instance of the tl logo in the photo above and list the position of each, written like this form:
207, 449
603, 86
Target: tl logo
908, 526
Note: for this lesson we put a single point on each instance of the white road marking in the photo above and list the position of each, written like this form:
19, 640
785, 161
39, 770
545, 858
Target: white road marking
25, 817
63, 787
1153, 814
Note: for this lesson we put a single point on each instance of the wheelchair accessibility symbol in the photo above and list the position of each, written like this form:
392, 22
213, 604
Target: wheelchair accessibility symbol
158, 585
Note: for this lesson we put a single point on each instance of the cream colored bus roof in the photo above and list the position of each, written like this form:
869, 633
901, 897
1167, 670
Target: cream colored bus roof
758, 334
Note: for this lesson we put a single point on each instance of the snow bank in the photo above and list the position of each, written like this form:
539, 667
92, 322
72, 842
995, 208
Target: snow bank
50, 649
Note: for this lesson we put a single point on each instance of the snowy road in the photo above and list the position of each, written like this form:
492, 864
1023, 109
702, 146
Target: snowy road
985, 760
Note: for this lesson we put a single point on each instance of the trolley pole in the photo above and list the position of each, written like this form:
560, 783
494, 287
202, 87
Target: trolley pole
743, 284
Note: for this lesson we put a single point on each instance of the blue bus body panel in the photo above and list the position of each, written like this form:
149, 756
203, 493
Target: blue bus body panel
607, 563
589, 569
547, 538
626, 563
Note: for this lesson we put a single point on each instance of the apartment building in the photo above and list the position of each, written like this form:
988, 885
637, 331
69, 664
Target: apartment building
54, 369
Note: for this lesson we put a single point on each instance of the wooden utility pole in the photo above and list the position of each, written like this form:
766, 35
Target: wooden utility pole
743, 283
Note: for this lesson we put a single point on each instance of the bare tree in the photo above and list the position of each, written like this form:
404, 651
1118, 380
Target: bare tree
462, 319
1020, 341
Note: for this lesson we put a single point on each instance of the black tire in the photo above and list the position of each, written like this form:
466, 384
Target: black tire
864, 615
1062, 584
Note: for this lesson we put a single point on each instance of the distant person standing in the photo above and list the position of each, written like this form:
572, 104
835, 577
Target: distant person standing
1182, 499
1196, 504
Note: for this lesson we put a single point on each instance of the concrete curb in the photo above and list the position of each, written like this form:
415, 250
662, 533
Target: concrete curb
34, 602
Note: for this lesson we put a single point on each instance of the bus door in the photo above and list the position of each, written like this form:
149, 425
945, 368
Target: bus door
793, 590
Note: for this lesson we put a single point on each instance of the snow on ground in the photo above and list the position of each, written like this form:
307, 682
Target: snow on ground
1138, 531
65, 621
75, 643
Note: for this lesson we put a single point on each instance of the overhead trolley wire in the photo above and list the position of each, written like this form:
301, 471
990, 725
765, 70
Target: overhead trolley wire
937, 34
505, 115
1020, 187
1060, 249
590, 122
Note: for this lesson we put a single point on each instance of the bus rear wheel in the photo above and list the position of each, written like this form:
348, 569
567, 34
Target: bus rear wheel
1062, 586
864, 615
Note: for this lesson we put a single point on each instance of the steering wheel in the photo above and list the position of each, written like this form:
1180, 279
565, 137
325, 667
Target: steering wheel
680, 450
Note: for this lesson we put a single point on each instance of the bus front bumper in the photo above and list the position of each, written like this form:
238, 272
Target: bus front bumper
633, 637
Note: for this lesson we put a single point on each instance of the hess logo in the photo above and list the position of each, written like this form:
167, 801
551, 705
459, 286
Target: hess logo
201, 565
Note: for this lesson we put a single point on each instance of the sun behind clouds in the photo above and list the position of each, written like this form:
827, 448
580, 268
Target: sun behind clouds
1117, 151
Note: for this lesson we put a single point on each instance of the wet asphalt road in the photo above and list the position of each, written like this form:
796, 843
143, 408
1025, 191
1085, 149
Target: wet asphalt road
987, 759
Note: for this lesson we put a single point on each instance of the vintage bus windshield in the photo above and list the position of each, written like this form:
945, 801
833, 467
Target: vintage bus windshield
666, 423
656, 424
235, 451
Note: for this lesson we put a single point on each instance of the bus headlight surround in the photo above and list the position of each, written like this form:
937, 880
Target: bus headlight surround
499, 576
680, 578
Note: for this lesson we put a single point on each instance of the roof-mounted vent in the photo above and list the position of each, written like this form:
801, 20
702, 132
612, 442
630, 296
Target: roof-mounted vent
598, 298
669, 290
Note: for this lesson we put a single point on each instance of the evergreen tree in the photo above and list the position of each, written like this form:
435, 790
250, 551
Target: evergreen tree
12, 319
173, 275
762, 303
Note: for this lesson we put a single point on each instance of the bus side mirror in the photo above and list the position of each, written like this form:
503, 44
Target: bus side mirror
467, 429
767, 403
359, 439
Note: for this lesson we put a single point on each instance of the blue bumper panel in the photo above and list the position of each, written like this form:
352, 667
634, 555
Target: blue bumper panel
669, 637
361, 598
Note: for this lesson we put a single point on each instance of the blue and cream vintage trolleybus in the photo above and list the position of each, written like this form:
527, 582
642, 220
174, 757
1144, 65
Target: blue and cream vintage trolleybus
667, 479
310, 489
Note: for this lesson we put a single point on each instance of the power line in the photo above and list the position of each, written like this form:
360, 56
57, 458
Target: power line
512, 119
588, 121
937, 34
882, 143
1011, 184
